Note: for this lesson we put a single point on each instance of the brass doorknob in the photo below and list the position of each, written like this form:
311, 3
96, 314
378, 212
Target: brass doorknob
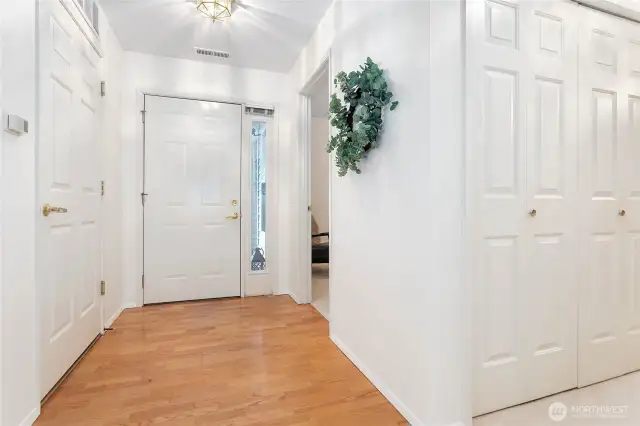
47, 209
234, 217
622, 213
533, 213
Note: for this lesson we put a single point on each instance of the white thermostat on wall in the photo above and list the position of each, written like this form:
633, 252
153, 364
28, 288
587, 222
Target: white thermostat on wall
16, 125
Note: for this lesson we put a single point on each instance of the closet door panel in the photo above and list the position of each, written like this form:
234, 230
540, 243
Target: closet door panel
522, 165
551, 164
630, 155
608, 320
499, 185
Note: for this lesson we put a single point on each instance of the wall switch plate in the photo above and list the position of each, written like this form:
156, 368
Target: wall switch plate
16, 125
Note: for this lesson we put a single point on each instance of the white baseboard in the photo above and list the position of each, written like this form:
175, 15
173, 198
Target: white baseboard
378, 383
322, 311
31, 417
295, 297
257, 289
115, 316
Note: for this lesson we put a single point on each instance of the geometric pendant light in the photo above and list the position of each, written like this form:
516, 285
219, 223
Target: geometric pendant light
216, 10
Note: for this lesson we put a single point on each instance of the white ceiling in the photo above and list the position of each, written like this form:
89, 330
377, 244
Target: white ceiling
263, 34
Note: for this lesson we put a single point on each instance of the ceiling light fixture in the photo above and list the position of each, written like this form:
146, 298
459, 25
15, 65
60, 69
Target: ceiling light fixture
216, 10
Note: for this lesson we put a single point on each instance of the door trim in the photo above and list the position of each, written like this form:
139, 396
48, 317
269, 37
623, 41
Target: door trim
302, 269
271, 275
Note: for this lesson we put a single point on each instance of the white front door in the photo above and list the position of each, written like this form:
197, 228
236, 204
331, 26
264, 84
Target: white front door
609, 123
69, 236
522, 166
192, 206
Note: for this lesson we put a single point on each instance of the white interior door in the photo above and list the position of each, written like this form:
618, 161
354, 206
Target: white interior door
609, 122
192, 210
522, 168
69, 241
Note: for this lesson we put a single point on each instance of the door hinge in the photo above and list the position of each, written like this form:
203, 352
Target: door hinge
143, 281
144, 115
103, 88
144, 197
103, 288
102, 187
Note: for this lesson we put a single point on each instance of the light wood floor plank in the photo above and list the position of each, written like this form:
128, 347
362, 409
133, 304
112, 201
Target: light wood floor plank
262, 361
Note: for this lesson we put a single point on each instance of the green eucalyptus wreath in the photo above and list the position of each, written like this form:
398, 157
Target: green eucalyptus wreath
358, 119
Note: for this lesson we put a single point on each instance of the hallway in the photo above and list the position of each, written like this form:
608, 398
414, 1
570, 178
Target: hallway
242, 362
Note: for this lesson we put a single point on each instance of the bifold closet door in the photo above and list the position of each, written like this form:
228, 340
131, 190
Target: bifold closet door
522, 151
609, 261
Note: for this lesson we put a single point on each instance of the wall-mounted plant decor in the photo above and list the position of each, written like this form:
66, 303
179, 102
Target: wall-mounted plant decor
358, 116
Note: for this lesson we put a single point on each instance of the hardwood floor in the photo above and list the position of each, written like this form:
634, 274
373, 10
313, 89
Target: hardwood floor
243, 362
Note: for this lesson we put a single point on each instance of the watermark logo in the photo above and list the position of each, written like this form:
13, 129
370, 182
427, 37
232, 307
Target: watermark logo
558, 411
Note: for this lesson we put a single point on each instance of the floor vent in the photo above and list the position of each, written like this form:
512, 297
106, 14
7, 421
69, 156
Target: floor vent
212, 53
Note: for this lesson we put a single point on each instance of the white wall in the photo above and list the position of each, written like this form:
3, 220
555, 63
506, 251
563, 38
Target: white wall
112, 72
20, 372
398, 309
320, 173
183, 78
20, 396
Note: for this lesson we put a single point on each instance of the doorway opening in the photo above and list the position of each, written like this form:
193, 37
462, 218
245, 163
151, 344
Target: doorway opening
318, 172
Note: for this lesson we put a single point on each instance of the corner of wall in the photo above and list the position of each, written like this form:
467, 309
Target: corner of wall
433, 394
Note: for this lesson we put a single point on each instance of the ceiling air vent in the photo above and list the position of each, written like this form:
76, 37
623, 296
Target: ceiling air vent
212, 53
265, 112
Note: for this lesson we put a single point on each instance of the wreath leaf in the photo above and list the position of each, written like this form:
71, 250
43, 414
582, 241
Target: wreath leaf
358, 115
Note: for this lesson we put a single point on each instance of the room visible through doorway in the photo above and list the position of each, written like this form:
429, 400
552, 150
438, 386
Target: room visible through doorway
319, 194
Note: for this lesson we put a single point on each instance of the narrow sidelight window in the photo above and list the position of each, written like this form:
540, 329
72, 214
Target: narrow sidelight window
258, 196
